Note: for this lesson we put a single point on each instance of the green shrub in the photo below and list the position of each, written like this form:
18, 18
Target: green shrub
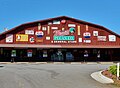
113, 69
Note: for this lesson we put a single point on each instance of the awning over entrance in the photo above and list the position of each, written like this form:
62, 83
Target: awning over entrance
57, 46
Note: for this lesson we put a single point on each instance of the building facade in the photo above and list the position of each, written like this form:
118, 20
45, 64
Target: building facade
59, 39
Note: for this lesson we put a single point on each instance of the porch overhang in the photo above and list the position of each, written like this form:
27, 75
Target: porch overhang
57, 46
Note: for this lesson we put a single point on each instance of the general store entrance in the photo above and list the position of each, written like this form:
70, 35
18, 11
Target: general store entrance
58, 55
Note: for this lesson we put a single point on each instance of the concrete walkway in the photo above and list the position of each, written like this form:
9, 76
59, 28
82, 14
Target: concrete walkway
101, 78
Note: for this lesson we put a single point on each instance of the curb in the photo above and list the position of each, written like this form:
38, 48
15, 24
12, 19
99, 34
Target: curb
73, 63
101, 78
108, 63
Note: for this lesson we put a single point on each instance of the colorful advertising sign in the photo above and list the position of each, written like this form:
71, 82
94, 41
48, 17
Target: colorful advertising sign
44, 28
101, 38
29, 53
78, 30
66, 38
71, 25
22, 37
56, 22
80, 39
54, 28
32, 40
13, 53
49, 23
63, 21
48, 30
86, 27
47, 38
39, 34
72, 30
30, 32
39, 40
60, 33
95, 33
9, 38
87, 41
112, 38
87, 35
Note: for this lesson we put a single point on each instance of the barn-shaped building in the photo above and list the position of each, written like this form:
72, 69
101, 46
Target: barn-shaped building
59, 39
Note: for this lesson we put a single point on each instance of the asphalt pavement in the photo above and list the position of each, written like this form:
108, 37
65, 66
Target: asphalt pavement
50, 76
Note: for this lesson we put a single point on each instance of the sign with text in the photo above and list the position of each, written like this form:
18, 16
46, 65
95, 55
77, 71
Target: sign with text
29, 32
112, 38
101, 38
87, 35
22, 37
61, 33
66, 38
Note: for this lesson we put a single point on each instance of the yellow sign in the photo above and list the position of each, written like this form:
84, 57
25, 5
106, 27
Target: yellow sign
78, 30
22, 37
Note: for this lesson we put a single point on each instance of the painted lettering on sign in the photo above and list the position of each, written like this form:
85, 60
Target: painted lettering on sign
29, 32
66, 38
101, 38
60, 33
22, 37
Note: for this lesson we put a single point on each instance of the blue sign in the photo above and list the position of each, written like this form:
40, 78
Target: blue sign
86, 35
39, 34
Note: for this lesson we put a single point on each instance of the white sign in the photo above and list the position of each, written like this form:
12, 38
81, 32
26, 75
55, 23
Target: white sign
9, 38
49, 23
56, 22
47, 38
112, 38
44, 28
87, 41
30, 32
80, 39
54, 28
95, 33
71, 25
101, 38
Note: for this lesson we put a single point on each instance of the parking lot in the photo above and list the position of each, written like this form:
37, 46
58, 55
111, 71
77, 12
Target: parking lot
50, 76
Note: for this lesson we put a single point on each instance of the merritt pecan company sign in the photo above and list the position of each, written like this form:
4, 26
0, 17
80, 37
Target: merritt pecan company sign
60, 33
66, 38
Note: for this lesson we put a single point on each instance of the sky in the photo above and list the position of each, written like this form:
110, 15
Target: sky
102, 12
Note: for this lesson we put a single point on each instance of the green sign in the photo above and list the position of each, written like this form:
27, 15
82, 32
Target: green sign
72, 30
13, 54
66, 38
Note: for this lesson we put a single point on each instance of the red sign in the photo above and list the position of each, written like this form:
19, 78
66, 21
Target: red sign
63, 21
29, 50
